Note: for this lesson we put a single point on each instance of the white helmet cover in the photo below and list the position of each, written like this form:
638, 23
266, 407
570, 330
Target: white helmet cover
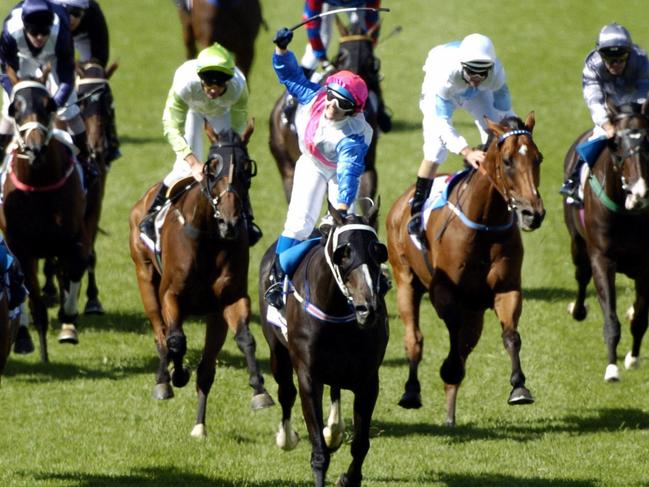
84, 4
477, 52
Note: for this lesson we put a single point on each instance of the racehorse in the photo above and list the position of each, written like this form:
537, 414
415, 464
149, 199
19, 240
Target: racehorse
337, 332
611, 234
356, 54
202, 269
470, 258
92, 83
43, 205
232, 23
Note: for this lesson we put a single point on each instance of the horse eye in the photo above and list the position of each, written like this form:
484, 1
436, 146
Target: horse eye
507, 161
379, 252
341, 253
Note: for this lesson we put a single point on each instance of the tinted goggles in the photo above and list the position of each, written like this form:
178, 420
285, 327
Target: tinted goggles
343, 103
478, 73
75, 11
214, 78
35, 29
613, 57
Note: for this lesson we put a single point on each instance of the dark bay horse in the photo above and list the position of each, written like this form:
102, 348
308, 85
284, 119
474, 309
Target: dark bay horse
202, 269
471, 259
356, 54
337, 332
232, 23
94, 102
611, 234
43, 206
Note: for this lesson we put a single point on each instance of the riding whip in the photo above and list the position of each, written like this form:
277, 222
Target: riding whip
337, 11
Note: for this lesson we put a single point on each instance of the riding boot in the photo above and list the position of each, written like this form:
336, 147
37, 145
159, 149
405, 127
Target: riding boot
422, 190
254, 232
87, 165
570, 188
274, 295
147, 225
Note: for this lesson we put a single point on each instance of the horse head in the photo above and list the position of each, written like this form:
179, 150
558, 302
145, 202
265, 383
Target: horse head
94, 102
356, 54
33, 111
513, 164
630, 151
355, 254
227, 174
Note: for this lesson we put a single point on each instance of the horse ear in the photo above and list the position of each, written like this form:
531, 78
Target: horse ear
338, 218
11, 74
611, 108
111, 69
46, 72
373, 212
530, 121
497, 129
342, 29
247, 132
373, 29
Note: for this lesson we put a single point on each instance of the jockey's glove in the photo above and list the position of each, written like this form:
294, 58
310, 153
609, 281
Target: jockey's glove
283, 37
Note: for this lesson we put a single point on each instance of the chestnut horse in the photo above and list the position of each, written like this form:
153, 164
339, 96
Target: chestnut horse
232, 23
471, 258
356, 54
92, 82
43, 205
202, 269
337, 332
611, 234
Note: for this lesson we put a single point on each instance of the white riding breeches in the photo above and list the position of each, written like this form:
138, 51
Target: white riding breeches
310, 183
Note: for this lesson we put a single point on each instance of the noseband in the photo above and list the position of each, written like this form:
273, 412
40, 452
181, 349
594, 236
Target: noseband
22, 131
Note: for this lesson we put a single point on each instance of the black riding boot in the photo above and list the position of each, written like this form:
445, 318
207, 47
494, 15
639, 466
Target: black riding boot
254, 232
422, 190
274, 295
147, 225
90, 172
570, 188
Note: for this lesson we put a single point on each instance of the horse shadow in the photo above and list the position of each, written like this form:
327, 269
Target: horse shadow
601, 420
488, 480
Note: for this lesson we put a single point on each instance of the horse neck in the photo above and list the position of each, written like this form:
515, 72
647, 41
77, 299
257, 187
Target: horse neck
486, 205
53, 166
197, 210
608, 176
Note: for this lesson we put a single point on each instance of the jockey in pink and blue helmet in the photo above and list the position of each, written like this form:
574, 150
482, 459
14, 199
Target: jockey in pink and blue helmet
349, 85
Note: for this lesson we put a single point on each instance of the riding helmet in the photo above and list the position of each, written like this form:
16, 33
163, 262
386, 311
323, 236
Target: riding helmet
82, 4
477, 52
36, 13
349, 85
217, 61
614, 40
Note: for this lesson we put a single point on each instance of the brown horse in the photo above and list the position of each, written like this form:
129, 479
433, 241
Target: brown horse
94, 102
337, 332
202, 269
232, 23
611, 234
356, 54
43, 206
471, 258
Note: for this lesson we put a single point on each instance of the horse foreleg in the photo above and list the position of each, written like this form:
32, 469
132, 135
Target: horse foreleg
215, 332
508, 307
408, 302
37, 307
175, 339
311, 397
49, 293
638, 317
237, 316
334, 430
604, 277
583, 274
69, 313
364, 402
93, 304
188, 33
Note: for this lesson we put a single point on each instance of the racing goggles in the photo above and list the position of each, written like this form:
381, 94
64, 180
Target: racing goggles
614, 55
477, 72
214, 78
38, 29
75, 12
342, 102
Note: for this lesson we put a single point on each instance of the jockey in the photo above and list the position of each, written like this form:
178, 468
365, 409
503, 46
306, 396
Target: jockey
319, 34
617, 70
12, 279
333, 136
91, 41
208, 89
36, 33
461, 74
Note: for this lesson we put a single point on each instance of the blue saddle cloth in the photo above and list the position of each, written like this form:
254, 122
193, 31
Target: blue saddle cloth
291, 258
442, 199
590, 150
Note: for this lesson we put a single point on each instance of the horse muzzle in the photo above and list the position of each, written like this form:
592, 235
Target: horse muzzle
636, 198
228, 229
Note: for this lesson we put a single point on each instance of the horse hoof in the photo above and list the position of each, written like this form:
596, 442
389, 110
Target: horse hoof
68, 334
630, 313
93, 307
345, 481
23, 343
631, 362
410, 400
199, 431
578, 314
520, 396
162, 391
180, 378
333, 436
612, 373
286, 437
450, 423
261, 401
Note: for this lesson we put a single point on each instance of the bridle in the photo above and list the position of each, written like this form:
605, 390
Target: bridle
22, 131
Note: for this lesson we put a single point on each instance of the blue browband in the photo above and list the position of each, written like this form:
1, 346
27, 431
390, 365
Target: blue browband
502, 138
